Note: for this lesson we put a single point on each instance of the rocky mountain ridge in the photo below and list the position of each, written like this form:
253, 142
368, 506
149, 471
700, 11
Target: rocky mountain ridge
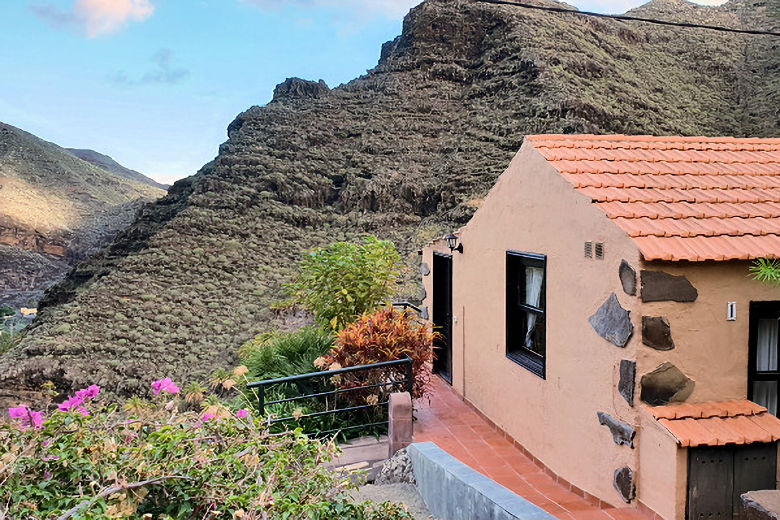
55, 209
110, 165
405, 152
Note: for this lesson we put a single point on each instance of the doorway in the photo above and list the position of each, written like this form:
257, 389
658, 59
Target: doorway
442, 315
717, 476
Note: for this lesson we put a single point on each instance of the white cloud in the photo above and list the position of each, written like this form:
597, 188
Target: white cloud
96, 17
389, 8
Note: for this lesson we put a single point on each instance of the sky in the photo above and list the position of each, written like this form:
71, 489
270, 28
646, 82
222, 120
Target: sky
154, 83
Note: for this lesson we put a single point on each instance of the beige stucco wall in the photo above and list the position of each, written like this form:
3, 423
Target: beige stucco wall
533, 209
709, 349
664, 469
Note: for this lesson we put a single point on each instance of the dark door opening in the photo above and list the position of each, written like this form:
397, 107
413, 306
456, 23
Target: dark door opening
717, 476
442, 315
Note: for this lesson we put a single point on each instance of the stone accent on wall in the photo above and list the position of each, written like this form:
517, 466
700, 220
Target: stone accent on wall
761, 505
424, 269
423, 294
624, 484
627, 278
658, 286
612, 322
424, 313
656, 333
666, 384
627, 379
622, 433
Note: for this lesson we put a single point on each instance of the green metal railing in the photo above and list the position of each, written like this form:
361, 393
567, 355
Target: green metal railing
407, 383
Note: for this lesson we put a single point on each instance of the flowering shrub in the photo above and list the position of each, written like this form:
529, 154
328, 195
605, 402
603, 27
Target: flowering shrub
383, 335
162, 464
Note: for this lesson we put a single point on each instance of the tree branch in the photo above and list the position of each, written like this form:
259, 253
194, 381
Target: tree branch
114, 489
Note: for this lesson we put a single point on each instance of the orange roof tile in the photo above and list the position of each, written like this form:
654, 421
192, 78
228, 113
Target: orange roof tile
718, 423
679, 198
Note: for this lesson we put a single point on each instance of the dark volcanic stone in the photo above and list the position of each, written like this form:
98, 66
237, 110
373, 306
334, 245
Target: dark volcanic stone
666, 384
658, 286
300, 88
612, 322
656, 333
622, 433
627, 378
624, 483
761, 505
627, 278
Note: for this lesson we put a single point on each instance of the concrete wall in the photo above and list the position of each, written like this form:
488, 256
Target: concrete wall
533, 209
453, 491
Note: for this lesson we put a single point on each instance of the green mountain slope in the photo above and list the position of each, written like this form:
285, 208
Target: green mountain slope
405, 152
55, 209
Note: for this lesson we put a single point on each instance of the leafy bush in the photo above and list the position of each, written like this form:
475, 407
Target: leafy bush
271, 355
384, 335
343, 280
91, 461
5, 310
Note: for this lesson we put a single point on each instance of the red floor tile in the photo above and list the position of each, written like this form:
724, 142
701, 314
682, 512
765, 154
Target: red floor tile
461, 432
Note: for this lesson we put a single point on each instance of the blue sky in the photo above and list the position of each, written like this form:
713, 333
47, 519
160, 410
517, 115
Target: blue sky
154, 83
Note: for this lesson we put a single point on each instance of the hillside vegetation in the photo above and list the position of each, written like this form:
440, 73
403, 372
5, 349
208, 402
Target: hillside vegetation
55, 209
405, 152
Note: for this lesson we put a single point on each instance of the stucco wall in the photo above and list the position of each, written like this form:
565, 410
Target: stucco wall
533, 209
708, 349
664, 470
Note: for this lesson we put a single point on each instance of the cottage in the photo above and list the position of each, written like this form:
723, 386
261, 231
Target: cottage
599, 310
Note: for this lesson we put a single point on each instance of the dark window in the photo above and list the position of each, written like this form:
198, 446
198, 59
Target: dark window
525, 310
763, 372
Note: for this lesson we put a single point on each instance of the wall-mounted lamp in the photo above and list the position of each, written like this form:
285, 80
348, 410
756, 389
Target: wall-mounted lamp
452, 243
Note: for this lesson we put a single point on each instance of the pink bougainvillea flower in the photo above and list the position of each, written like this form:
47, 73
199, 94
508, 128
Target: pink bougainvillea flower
207, 417
164, 385
88, 393
74, 403
242, 414
26, 417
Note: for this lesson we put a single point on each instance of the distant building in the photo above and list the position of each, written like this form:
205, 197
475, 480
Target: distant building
28, 313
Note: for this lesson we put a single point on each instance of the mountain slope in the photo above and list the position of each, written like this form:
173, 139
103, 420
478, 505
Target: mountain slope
405, 152
55, 209
110, 165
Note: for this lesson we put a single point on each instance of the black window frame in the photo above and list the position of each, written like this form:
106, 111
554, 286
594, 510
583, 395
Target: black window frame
532, 361
760, 310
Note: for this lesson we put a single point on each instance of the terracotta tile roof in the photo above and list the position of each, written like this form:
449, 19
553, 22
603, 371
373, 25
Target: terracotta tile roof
718, 423
679, 198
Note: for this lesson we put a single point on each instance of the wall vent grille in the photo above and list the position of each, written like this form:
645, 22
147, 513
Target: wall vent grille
599, 250
588, 249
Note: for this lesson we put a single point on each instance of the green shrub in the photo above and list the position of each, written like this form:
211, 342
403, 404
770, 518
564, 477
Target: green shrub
766, 271
343, 280
5, 310
272, 355
95, 462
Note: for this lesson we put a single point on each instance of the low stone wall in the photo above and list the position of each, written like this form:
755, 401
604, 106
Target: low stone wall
453, 491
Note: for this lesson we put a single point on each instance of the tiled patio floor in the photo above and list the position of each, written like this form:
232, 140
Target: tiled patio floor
461, 432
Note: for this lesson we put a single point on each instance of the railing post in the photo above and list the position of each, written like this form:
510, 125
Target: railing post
409, 376
261, 400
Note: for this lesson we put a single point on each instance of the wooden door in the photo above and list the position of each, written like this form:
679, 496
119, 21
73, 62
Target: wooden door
717, 476
442, 314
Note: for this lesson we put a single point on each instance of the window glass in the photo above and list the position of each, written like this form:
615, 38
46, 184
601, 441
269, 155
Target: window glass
525, 316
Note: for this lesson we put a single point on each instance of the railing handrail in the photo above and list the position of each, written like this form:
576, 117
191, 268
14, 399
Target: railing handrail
407, 304
346, 370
